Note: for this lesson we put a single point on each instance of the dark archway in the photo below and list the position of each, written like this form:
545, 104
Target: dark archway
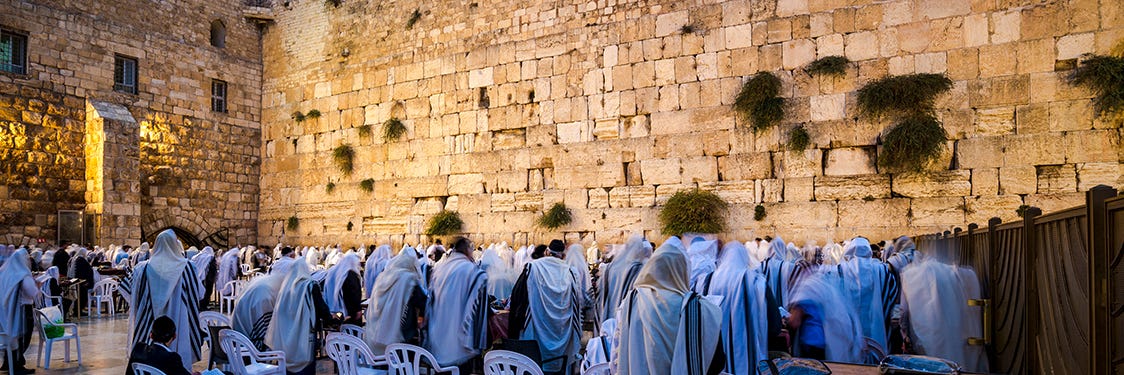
218, 34
186, 237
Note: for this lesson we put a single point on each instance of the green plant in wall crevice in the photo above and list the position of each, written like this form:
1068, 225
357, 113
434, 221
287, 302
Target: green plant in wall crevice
1104, 76
693, 211
902, 95
344, 158
799, 139
911, 144
759, 213
364, 130
393, 129
293, 223
557, 216
414, 18
367, 185
759, 103
828, 66
330, 187
444, 223
298, 117
313, 113
917, 137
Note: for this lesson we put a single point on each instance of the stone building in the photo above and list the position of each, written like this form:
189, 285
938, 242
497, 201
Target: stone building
511, 106
106, 108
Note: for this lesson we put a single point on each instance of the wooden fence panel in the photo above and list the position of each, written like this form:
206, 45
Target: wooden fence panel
1062, 274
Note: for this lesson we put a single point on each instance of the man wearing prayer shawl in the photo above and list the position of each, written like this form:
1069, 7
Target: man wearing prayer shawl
546, 308
664, 327
302, 304
285, 258
457, 308
825, 323
871, 289
62, 261
190, 253
618, 276
254, 308
80, 269
375, 264
901, 254
343, 290
397, 302
206, 271
228, 271
702, 258
167, 285
781, 275
575, 256
18, 292
501, 277
122, 254
938, 320
745, 330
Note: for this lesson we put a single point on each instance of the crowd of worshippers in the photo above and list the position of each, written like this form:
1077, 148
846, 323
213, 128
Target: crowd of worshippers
693, 305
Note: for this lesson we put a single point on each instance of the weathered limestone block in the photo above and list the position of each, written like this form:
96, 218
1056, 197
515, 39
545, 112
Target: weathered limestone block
470, 183
799, 164
799, 189
979, 152
642, 196
1090, 146
598, 198
733, 192
995, 121
941, 212
1057, 179
828, 107
861, 45
772, 190
503, 202
980, 209
1018, 179
852, 187
669, 23
1055, 202
1007, 90
1089, 175
892, 212
618, 197
850, 161
1074, 45
528, 201
699, 169
953, 183
797, 53
803, 214
747, 166
985, 181
1038, 149
661, 171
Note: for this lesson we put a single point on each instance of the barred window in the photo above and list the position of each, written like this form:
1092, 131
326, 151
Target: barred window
13, 52
218, 95
125, 74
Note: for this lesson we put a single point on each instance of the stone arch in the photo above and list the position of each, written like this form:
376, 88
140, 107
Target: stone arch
218, 34
189, 226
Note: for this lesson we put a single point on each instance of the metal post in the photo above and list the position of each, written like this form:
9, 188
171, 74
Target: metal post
1098, 240
1030, 324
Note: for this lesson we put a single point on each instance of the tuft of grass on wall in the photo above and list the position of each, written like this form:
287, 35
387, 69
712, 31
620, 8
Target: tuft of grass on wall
557, 216
330, 187
912, 143
314, 113
344, 157
393, 130
293, 223
902, 95
350, 226
759, 213
365, 130
693, 211
758, 101
298, 116
367, 185
1104, 76
799, 139
333, 3
444, 223
828, 66
414, 18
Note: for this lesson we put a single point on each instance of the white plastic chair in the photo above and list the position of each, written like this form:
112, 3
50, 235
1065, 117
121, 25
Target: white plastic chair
143, 369
246, 272
226, 303
504, 362
599, 369
50, 343
102, 294
8, 348
353, 330
352, 355
238, 348
406, 359
209, 319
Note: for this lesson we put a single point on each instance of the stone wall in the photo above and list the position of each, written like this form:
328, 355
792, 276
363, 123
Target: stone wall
612, 106
193, 169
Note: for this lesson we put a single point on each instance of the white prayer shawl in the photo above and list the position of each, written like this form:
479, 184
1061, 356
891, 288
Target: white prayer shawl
778, 271
312, 256
228, 271
602, 349
202, 262
457, 306
253, 311
522, 257
664, 327
375, 265
390, 296
282, 265
293, 335
576, 258
832, 254
52, 273
553, 310
744, 311
871, 289
841, 326
501, 277
901, 254
166, 285
333, 257
15, 269
619, 275
334, 280
592, 254
189, 254
940, 322
751, 253
702, 258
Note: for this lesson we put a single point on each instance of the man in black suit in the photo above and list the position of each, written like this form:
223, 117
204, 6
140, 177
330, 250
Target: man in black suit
157, 353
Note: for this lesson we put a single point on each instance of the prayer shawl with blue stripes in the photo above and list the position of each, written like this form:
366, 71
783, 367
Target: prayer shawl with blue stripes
744, 319
457, 309
166, 286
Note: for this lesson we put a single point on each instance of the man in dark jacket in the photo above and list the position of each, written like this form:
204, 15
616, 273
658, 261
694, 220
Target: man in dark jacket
157, 354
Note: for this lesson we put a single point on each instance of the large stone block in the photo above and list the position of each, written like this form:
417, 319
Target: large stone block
952, 183
985, 181
803, 214
1018, 179
751, 166
995, 121
850, 161
852, 187
805, 163
892, 212
661, 171
828, 107
1089, 175
799, 189
1057, 179
982, 208
470, 183
938, 213
1055, 202
1090, 146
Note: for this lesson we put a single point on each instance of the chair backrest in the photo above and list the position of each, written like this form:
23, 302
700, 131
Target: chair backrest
143, 369
352, 329
599, 369
406, 359
349, 352
237, 348
213, 318
245, 268
503, 362
40, 317
105, 287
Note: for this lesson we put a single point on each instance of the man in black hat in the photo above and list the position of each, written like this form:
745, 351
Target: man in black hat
157, 354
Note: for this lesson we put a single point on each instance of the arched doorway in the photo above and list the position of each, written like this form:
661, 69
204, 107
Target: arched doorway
186, 237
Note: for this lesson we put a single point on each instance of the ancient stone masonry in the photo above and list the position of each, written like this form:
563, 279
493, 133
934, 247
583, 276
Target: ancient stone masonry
139, 162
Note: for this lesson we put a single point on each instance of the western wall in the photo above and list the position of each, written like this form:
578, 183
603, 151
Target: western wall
612, 106
136, 162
